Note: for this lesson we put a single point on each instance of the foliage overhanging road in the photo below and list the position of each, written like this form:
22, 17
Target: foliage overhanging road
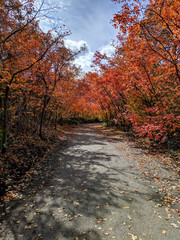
91, 189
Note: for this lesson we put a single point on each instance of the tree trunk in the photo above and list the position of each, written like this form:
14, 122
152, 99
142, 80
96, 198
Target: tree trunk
45, 103
55, 125
41, 121
5, 120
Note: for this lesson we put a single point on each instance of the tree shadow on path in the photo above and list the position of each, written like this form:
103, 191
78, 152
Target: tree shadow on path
78, 188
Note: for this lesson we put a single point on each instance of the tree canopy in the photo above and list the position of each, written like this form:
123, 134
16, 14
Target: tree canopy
136, 88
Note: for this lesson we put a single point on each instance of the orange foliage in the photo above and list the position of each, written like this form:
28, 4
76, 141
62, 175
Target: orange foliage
139, 86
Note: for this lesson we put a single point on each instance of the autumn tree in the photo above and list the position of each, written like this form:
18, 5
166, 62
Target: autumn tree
138, 85
152, 41
23, 45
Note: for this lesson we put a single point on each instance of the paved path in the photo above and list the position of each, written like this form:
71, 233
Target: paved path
90, 190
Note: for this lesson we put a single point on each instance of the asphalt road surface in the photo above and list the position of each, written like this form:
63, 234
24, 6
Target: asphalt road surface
90, 189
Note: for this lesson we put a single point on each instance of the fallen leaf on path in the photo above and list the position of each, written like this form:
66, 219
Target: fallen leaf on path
30, 221
106, 234
76, 203
27, 227
125, 207
164, 232
98, 207
174, 225
130, 226
133, 236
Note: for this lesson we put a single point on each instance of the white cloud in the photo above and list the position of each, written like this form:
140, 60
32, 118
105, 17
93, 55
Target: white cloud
107, 49
85, 61
76, 46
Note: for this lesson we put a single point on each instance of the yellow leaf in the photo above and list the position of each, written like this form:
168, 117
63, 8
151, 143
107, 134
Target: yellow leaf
164, 232
106, 234
133, 236
27, 227
174, 225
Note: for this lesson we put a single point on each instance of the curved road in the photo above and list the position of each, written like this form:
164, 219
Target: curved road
89, 189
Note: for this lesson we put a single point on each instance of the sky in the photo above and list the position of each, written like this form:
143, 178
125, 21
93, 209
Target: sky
89, 23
